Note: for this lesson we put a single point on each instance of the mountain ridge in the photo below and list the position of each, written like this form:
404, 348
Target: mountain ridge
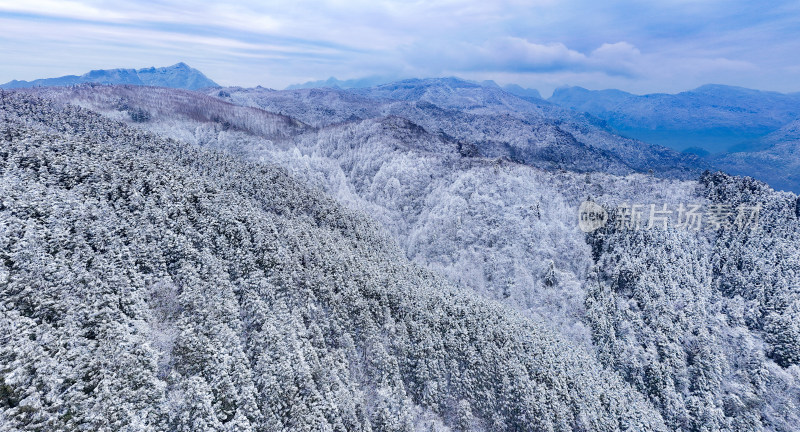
775, 159
713, 117
491, 120
179, 75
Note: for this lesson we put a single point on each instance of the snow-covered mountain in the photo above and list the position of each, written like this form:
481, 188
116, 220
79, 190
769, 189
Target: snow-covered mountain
522, 92
702, 325
332, 82
150, 285
398, 172
774, 158
373, 81
485, 119
179, 76
712, 117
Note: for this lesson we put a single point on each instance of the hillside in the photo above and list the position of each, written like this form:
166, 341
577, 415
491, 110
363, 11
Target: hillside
447, 207
151, 286
699, 323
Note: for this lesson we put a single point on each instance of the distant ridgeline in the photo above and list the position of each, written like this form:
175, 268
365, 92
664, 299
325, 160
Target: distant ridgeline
179, 76
710, 118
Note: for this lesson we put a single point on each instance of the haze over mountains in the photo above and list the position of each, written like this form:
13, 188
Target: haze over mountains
711, 118
774, 158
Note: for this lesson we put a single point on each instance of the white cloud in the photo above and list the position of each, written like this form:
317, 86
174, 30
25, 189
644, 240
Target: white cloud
621, 43
513, 54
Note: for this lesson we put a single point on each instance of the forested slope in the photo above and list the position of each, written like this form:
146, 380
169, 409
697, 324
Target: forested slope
501, 228
701, 323
705, 322
148, 285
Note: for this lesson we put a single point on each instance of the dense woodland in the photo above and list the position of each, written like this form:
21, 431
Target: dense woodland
185, 262
705, 323
150, 286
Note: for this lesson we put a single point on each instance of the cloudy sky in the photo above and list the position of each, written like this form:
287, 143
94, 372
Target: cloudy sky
638, 46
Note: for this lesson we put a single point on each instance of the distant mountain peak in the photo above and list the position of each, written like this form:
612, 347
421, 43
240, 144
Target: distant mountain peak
522, 92
333, 82
384, 82
453, 82
566, 90
179, 75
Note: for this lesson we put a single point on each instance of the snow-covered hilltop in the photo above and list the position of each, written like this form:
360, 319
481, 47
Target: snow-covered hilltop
180, 76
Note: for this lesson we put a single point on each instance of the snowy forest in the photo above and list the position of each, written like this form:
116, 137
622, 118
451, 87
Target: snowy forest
404, 257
